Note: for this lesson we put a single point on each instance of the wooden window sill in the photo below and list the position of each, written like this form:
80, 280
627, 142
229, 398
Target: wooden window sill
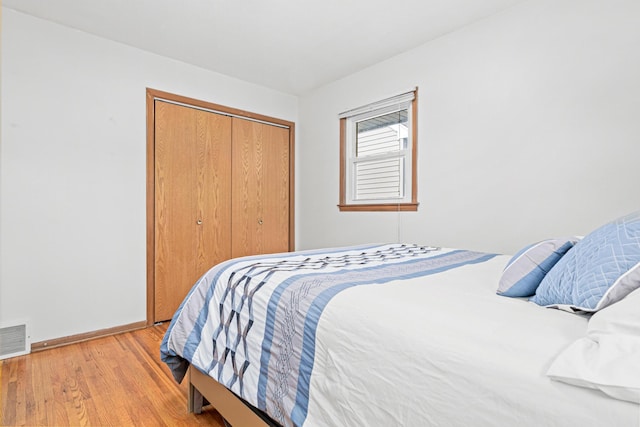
386, 207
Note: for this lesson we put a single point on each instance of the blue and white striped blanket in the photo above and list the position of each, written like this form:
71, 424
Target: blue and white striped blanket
250, 323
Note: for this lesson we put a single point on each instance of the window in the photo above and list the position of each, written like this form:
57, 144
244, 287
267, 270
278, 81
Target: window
378, 156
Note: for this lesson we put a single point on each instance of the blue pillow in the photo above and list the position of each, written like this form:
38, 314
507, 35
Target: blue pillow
600, 270
526, 269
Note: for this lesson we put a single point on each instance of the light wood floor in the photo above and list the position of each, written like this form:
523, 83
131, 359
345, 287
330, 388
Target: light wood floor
113, 381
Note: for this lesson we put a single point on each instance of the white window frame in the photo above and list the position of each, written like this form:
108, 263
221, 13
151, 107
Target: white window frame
407, 156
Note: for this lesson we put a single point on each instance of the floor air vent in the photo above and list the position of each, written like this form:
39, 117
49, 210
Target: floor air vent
14, 340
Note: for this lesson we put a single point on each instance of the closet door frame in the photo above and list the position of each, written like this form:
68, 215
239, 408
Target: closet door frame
152, 96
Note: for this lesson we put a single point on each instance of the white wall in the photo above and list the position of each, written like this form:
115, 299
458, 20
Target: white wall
72, 208
528, 128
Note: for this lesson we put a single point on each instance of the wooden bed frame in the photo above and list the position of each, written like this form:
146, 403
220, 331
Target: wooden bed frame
235, 411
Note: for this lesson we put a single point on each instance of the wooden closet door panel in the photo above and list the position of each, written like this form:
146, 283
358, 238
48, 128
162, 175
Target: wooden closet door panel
175, 228
213, 190
193, 201
260, 183
276, 207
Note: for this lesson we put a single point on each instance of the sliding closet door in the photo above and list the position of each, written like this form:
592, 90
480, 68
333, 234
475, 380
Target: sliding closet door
261, 191
192, 199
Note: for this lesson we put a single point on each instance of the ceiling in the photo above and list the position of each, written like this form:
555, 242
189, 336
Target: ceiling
290, 46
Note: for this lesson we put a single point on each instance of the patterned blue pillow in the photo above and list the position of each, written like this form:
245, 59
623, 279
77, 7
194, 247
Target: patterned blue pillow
526, 269
601, 269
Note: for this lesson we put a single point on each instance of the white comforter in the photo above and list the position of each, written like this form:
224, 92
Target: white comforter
432, 349
445, 350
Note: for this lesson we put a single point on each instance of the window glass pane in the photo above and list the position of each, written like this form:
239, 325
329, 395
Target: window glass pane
379, 179
383, 134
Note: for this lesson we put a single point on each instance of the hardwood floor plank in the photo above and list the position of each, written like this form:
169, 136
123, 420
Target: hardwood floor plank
57, 385
101, 379
16, 375
34, 404
155, 378
9, 389
117, 380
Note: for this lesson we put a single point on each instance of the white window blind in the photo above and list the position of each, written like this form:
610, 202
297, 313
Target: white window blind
394, 102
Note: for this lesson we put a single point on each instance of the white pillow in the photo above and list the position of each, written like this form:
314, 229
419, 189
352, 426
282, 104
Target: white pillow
608, 358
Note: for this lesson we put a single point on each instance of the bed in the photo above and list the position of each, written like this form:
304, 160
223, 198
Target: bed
410, 335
